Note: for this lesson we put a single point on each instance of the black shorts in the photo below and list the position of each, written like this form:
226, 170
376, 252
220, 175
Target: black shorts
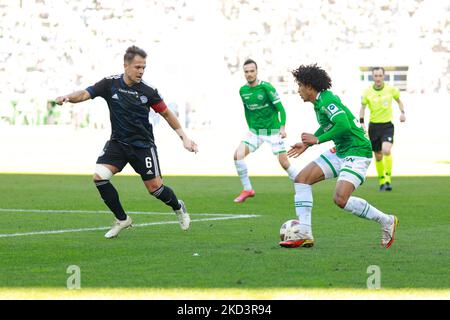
143, 160
379, 133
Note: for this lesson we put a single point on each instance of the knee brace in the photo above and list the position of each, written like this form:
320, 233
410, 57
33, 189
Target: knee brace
103, 172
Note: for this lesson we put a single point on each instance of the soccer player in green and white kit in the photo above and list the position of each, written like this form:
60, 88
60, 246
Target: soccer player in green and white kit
266, 120
348, 161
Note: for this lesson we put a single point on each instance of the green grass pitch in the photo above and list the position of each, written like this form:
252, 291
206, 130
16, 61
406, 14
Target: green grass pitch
228, 253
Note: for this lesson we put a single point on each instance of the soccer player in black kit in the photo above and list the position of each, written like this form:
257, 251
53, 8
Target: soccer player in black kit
129, 101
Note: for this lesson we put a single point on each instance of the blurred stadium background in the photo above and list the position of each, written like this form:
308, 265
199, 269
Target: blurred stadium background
196, 49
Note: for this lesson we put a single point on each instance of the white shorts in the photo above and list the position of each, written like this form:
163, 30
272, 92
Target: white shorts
254, 141
352, 169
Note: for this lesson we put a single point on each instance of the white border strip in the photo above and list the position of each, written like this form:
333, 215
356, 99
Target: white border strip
262, 293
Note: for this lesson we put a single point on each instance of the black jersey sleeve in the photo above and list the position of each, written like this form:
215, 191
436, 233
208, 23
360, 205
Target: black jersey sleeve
100, 89
154, 98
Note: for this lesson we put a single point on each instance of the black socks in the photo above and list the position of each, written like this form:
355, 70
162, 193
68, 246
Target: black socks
111, 197
166, 195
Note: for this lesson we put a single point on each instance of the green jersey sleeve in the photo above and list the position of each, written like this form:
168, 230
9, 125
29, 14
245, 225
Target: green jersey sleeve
274, 97
280, 108
272, 93
341, 126
332, 110
319, 132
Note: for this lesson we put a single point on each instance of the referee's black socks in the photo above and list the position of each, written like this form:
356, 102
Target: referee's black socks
111, 197
166, 195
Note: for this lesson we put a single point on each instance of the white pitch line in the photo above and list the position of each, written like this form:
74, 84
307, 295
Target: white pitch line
8, 235
104, 211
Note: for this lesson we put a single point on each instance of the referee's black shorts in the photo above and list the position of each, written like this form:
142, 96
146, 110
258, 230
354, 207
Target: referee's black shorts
143, 160
379, 133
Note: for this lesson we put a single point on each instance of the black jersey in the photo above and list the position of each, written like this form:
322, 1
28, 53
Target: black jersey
129, 109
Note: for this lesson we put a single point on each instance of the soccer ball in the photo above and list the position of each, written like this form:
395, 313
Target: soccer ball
290, 230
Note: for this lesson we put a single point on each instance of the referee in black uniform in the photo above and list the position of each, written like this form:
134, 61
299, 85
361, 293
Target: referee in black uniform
129, 101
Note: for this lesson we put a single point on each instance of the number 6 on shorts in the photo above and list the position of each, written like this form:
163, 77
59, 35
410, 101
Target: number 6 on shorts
148, 162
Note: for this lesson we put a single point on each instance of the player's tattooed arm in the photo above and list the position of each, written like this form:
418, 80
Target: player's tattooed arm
173, 122
74, 97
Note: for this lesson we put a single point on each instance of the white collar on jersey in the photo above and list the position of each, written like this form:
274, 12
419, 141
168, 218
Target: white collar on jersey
318, 95
258, 82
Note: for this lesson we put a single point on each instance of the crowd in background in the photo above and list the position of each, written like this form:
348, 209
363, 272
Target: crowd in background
49, 48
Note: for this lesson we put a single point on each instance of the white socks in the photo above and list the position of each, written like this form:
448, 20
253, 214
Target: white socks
361, 208
357, 206
242, 171
303, 206
292, 172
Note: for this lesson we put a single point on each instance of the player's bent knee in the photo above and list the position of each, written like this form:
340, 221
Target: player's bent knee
241, 152
239, 155
284, 162
386, 149
102, 173
302, 178
299, 179
307, 175
153, 185
340, 201
378, 155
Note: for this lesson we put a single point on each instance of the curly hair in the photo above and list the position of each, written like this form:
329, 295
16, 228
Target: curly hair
313, 76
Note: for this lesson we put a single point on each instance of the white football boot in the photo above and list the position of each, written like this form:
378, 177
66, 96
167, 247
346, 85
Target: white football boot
388, 232
305, 240
118, 226
183, 216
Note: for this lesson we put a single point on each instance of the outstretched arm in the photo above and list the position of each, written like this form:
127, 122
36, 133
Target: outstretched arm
308, 139
173, 122
297, 149
74, 97
341, 126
